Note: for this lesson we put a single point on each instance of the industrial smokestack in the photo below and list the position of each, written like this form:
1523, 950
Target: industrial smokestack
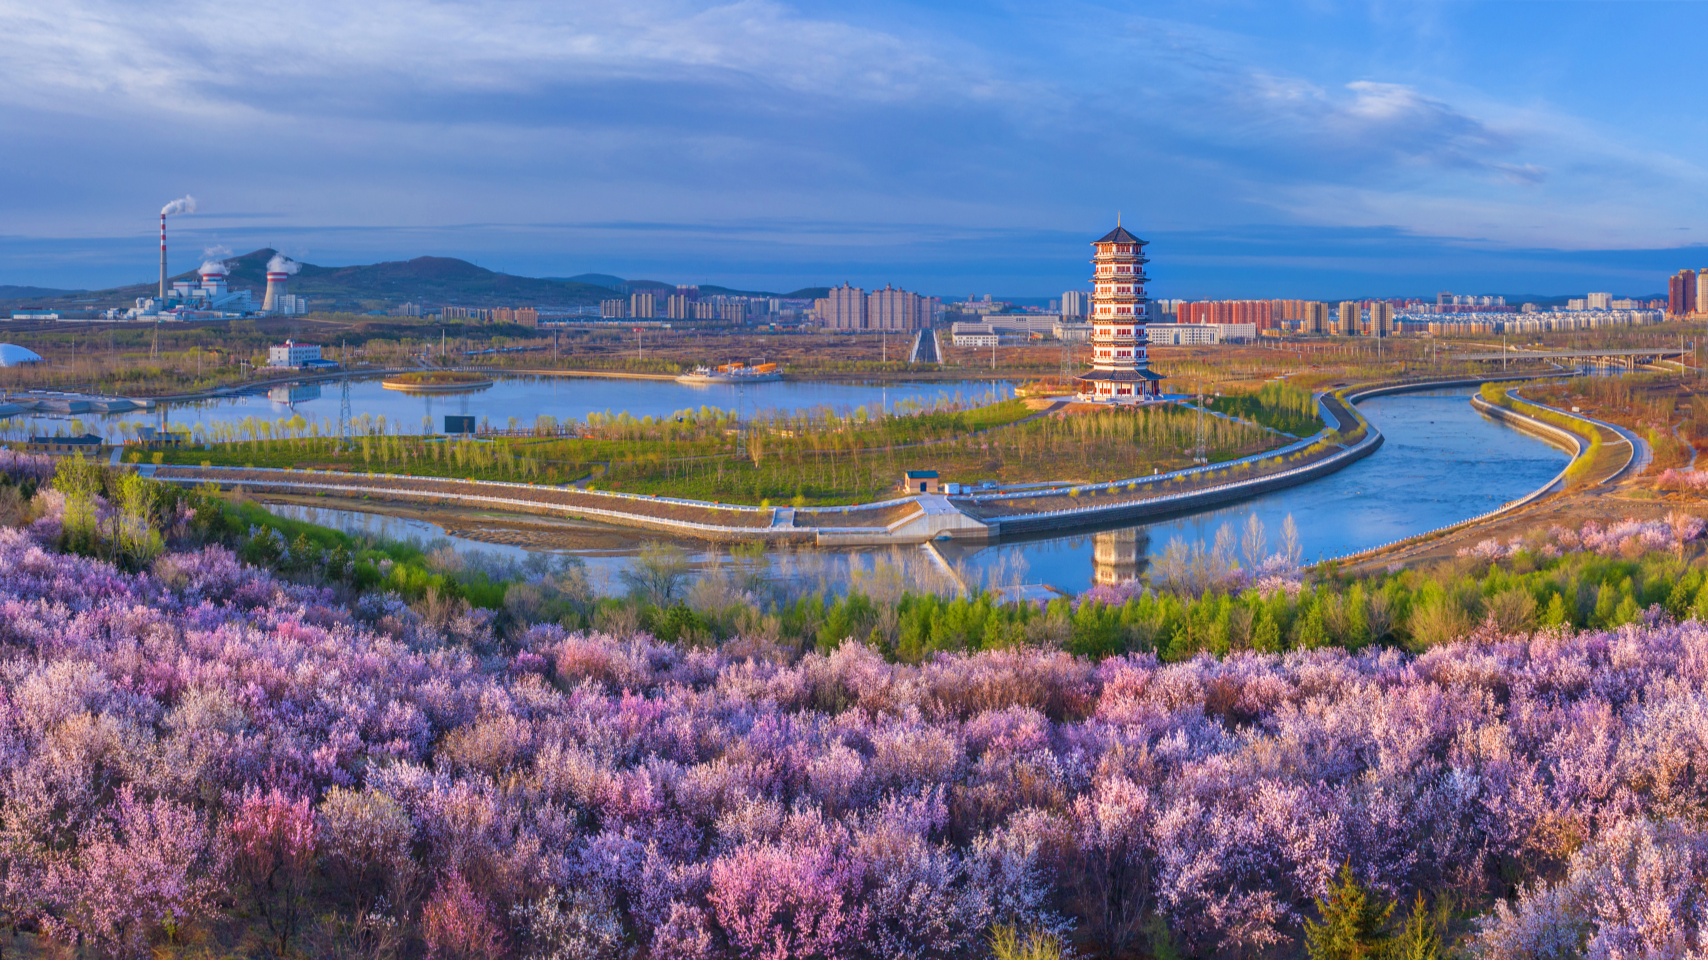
183, 205
279, 270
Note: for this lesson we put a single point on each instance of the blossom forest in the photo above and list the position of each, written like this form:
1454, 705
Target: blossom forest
207, 750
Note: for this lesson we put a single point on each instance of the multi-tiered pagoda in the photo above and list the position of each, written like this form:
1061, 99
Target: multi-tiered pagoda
1120, 368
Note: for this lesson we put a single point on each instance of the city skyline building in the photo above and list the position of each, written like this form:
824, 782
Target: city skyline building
1681, 293
1381, 319
1315, 320
1120, 367
1346, 321
851, 308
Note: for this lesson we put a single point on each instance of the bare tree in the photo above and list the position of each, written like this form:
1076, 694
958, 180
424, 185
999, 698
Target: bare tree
1290, 548
1254, 542
658, 572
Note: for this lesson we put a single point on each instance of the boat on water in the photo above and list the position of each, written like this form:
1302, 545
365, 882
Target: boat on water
736, 373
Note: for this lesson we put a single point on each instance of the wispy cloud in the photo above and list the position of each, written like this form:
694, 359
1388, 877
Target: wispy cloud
320, 56
907, 123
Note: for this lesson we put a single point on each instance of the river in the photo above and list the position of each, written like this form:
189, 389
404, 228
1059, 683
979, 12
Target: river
521, 398
1440, 462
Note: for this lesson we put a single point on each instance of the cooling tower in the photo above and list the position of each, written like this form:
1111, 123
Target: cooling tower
213, 278
275, 289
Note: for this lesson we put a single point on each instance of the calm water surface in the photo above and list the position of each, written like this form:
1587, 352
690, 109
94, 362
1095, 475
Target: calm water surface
525, 398
1441, 462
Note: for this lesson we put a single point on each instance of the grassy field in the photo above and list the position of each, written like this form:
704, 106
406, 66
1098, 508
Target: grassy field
1670, 411
805, 459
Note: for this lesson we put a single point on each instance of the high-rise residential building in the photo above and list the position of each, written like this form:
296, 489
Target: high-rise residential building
1702, 291
892, 309
1598, 301
642, 305
1315, 319
1381, 319
1681, 293
676, 307
1261, 314
1120, 367
613, 309
1347, 323
1073, 303
843, 308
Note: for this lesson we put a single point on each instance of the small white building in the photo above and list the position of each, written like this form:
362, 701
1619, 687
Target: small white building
1187, 335
965, 334
1072, 332
292, 354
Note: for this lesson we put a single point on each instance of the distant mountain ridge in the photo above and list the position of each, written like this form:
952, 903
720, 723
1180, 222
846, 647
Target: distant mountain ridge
429, 281
14, 292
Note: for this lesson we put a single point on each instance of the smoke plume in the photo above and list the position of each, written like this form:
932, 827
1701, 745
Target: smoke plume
280, 264
183, 205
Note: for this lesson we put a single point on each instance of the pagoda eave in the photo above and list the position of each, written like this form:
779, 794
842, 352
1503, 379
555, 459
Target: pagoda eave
1119, 376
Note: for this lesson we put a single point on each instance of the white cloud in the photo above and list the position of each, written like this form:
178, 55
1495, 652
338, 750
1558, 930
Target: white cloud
197, 56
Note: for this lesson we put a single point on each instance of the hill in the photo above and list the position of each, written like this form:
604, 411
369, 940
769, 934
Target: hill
10, 292
430, 281
626, 286
615, 283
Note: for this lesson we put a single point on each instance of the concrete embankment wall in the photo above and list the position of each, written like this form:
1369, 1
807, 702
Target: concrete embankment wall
1191, 501
930, 522
715, 532
1542, 430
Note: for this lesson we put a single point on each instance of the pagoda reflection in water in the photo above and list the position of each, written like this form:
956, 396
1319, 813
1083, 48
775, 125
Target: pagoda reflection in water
1119, 556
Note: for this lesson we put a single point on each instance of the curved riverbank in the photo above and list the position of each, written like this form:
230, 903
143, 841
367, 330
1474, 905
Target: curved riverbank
919, 519
1584, 442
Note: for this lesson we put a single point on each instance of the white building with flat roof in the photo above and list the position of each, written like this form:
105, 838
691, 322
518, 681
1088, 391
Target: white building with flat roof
970, 334
1196, 335
293, 354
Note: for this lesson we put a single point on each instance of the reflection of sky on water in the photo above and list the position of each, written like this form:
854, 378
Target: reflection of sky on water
1441, 462
525, 398
877, 571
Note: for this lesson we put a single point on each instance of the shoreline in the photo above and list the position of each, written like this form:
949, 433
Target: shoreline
493, 523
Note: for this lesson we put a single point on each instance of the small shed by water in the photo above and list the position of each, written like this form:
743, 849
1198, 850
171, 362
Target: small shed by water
921, 482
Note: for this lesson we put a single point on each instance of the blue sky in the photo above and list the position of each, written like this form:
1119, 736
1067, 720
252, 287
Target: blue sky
1266, 148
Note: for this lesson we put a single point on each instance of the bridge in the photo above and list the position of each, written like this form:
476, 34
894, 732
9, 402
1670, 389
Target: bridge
1628, 358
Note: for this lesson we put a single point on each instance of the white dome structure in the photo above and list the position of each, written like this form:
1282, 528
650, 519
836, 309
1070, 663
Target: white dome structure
11, 355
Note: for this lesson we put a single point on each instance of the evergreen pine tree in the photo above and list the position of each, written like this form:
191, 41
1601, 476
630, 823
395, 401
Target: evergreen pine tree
1420, 936
1352, 921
